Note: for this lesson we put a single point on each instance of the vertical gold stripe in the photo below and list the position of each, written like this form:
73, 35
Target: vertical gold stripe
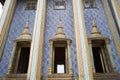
78, 50
41, 43
81, 71
40, 15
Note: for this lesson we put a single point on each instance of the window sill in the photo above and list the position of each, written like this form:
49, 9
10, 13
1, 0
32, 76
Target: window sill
59, 76
106, 76
15, 76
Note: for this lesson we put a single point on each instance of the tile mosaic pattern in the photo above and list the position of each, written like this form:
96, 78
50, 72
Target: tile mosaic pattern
17, 26
52, 21
101, 21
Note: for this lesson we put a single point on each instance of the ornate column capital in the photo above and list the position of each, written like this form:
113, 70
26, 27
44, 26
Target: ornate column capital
68, 42
89, 41
51, 43
107, 41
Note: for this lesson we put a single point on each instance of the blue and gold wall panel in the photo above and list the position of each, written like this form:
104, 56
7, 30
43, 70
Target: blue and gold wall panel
16, 28
100, 18
52, 20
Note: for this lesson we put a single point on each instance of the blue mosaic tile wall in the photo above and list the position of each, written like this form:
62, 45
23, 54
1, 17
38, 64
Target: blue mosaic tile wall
52, 21
17, 26
101, 21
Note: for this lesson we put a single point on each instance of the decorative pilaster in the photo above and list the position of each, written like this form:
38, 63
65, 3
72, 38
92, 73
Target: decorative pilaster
107, 42
35, 61
10, 66
83, 54
90, 46
5, 21
50, 58
69, 57
7, 6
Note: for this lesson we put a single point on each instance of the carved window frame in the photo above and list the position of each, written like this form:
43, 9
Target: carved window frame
106, 63
60, 44
16, 57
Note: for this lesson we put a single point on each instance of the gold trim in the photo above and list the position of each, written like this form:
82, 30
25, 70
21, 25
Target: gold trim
117, 7
41, 43
17, 60
77, 37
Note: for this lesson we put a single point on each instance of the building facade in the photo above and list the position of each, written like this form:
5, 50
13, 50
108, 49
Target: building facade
60, 40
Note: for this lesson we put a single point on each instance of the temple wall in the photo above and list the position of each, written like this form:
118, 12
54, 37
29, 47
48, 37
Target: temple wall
52, 21
100, 18
16, 28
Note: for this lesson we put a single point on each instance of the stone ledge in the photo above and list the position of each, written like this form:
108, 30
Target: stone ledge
15, 77
107, 76
59, 77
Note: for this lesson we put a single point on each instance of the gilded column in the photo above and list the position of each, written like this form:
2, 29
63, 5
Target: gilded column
5, 21
50, 58
10, 67
35, 62
90, 46
7, 4
83, 54
69, 57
